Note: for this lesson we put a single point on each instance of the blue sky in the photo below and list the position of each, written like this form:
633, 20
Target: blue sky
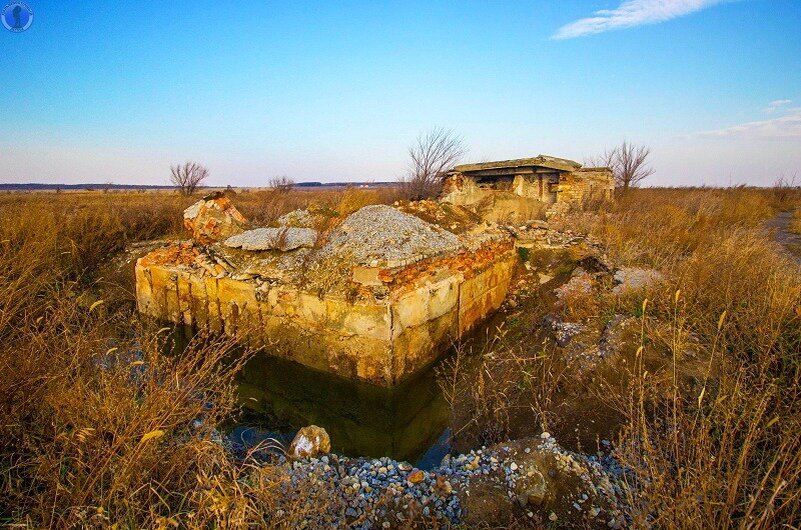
101, 91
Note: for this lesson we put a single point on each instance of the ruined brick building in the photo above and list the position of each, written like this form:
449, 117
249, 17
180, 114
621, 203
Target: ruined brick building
526, 188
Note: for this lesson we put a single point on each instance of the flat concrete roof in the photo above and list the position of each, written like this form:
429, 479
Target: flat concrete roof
550, 162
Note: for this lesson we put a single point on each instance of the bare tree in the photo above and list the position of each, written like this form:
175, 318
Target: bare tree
628, 162
433, 154
188, 177
282, 184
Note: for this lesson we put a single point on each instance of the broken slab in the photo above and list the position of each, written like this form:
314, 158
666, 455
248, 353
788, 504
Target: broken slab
273, 239
380, 300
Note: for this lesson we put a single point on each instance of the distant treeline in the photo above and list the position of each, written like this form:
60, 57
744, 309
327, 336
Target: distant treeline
87, 187
33, 186
346, 184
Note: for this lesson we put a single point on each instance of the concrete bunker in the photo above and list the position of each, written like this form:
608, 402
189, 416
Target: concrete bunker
376, 298
524, 189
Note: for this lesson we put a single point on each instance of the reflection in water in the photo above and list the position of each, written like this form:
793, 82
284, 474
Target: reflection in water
279, 397
405, 423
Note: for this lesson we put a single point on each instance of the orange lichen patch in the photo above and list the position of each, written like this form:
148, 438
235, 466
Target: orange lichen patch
467, 262
172, 255
224, 204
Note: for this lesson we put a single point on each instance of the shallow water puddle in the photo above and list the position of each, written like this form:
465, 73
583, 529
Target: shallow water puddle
408, 422
279, 397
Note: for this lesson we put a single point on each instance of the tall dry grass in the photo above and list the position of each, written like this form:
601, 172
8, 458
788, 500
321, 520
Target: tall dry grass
795, 222
722, 452
98, 427
493, 385
92, 428
264, 207
726, 456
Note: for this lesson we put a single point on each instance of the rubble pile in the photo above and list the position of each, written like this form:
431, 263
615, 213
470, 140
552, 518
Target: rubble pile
455, 219
297, 219
532, 479
213, 218
382, 235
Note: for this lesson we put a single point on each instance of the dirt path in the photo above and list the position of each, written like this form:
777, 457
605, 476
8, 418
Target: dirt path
780, 225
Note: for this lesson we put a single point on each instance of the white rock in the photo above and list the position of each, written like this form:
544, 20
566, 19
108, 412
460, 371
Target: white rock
632, 278
309, 442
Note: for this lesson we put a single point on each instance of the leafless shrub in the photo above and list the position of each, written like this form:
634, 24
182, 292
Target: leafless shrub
188, 177
282, 184
628, 162
785, 190
432, 155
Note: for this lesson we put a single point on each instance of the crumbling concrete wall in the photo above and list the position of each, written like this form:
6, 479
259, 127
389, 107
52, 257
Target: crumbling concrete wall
586, 184
519, 201
386, 321
381, 341
524, 194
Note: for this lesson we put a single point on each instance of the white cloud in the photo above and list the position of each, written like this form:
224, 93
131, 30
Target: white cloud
777, 104
782, 128
632, 13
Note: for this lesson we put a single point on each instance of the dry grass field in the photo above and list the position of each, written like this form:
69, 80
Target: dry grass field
90, 436
723, 452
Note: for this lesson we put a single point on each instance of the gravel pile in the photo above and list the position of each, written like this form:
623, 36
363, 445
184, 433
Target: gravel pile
371, 493
384, 493
379, 235
297, 218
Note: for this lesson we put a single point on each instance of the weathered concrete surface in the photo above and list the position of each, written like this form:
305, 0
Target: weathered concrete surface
378, 313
